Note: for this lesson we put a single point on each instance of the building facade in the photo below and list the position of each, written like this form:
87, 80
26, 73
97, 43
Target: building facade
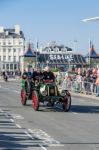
28, 60
59, 56
12, 46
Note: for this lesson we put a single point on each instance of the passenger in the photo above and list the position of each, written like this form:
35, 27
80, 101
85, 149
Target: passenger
36, 75
48, 74
25, 74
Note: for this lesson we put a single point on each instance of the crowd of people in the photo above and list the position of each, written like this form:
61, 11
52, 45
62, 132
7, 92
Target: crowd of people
84, 80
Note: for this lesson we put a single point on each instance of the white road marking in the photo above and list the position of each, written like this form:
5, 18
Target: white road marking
56, 145
17, 116
11, 120
46, 139
43, 147
29, 135
1, 111
18, 126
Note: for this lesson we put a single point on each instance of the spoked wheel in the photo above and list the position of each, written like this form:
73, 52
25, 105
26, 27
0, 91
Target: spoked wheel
23, 97
67, 103
35, 100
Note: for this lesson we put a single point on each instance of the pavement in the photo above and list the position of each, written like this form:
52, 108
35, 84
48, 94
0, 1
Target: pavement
88, 96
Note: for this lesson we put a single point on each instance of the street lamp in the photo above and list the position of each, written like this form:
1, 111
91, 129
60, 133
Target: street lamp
90, 20
75, 45
47, 62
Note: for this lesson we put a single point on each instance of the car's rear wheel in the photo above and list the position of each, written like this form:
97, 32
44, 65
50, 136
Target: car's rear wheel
35, 100
67, 103
23, 97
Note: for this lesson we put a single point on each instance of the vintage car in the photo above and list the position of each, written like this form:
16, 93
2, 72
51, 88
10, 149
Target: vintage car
45, 91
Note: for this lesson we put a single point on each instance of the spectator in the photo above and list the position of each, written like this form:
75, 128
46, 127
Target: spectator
97, 85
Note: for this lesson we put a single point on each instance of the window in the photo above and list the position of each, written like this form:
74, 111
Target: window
4, 50
20, 43
9, 50
9, 58
9, 42
4, 43
7, 66
14, 58
3, 66
14, 50
4, 58
11, 66
15, 66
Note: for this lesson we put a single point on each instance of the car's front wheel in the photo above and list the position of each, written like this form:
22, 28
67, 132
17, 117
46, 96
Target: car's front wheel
66, 103
23, 97
35, 100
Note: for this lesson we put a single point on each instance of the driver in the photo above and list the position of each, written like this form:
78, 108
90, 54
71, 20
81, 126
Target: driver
48, 74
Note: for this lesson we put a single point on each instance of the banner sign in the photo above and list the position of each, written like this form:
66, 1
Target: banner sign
68, 57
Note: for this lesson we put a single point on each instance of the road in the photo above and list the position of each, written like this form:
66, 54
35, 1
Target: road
47, 129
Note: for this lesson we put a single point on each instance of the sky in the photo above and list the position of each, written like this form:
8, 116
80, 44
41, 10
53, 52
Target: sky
54, 20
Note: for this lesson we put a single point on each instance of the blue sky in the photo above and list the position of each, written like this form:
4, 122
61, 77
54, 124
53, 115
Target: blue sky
54, 20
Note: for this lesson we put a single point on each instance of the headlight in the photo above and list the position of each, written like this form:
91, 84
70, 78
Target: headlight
63, 93
44, 93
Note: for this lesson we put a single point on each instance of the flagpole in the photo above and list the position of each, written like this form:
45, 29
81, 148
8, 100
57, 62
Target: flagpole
90, 44
36, 52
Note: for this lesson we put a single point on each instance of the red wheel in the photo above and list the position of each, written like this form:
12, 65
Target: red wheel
35, 100
67, 103
23, 97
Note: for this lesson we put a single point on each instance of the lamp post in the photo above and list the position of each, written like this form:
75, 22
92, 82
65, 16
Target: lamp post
36, 53
90, 20
47, 62
75, 45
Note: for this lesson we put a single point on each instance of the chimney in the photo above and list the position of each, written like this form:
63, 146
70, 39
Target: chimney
17, 29
1, 29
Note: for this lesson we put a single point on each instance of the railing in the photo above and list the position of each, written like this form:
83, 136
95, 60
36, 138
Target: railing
79, 87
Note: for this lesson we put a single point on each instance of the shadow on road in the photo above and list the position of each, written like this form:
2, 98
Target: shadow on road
14, 140
84, 109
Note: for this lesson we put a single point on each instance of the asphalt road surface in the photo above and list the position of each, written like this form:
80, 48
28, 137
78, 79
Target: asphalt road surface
49, 128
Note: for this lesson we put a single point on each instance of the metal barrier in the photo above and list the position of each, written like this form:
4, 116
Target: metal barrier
79, 87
